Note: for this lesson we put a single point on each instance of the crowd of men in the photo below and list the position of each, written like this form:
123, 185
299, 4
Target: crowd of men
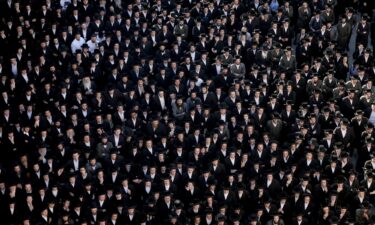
187, 112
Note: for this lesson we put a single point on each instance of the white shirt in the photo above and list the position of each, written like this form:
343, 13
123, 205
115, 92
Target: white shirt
114, 177
84, 33
192, 54
76, 166
218, 69
257, 100
76, 44
122, 116
92, 46
223, 117
226, 195
117, 138
14, 69
25, 77
372, 117
343, 132
224, 152
162, 102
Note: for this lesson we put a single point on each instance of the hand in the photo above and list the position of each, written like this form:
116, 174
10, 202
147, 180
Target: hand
60, 171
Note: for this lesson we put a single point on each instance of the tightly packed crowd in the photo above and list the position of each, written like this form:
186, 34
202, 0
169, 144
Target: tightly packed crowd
187, 112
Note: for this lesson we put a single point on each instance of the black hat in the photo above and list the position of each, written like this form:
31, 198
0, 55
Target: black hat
223, 106
321, 148
306, 178
344, 154
307, 195
253, 218
349, 9
289, 102
276, 115
288, 48
352, 172
220, 218
362, 189
93, 205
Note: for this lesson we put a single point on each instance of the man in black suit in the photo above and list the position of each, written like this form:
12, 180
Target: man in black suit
131, 216
308, 163
226, 196
165, 206
272, 185
117, 139
344, 134
208, 98
349, 104
155, 129
12, 213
